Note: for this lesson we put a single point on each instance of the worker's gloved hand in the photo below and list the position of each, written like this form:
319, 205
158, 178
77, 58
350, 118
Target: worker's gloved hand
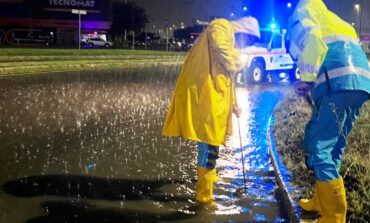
237, 110
303, 88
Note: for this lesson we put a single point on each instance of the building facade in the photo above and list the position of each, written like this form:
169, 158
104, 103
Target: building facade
30, 22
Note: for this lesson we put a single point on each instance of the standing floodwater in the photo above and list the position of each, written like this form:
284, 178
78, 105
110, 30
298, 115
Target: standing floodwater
87, 147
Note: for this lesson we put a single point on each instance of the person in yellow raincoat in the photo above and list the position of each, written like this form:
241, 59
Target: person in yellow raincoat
203, 101
336, 69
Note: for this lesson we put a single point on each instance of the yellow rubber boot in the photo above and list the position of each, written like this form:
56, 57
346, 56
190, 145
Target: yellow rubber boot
206, 177
332, 197
311, 204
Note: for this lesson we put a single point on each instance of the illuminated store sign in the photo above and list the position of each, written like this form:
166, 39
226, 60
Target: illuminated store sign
73, 3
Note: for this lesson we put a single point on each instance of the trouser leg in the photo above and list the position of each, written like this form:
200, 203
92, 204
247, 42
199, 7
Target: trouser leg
324, 144
351, 113
321, 135
325, 135
207, 155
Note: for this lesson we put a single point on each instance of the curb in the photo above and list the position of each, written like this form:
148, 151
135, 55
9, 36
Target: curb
292, 207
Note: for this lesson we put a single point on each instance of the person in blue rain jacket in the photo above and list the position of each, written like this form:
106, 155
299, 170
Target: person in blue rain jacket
336, 70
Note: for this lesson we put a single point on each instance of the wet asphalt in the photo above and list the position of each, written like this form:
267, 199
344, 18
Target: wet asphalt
87, 147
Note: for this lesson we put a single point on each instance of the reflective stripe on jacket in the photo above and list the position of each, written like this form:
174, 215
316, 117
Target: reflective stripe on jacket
321, 40
347, 67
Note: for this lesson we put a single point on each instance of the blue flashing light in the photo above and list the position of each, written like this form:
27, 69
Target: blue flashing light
245, 8
273, 25
289, 5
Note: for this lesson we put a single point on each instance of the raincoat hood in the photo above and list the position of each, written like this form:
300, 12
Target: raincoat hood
303, 10
247, 25
298, 21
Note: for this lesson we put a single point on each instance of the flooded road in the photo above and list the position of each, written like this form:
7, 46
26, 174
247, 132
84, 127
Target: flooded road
87, 147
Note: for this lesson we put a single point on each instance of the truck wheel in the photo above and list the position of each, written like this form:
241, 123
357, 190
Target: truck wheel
255, 73
240, 79
294, 74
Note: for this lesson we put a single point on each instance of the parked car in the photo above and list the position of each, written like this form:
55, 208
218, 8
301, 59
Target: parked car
98, 42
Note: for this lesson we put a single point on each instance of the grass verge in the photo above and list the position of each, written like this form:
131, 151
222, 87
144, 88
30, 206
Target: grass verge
27, 61
76, 52
291, 115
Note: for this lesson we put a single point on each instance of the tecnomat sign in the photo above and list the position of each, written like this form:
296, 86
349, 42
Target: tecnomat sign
88, 4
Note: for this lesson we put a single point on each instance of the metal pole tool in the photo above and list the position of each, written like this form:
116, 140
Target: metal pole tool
240, 136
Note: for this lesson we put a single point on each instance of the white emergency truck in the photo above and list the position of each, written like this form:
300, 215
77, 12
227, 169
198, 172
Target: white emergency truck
268, 59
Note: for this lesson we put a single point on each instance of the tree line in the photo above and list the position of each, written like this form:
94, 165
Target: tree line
126, 16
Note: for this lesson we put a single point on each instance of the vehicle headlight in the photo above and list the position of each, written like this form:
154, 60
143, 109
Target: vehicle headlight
244, 58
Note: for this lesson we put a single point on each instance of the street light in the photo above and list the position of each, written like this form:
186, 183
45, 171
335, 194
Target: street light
167, 26
146, 36
358, 17
79, 12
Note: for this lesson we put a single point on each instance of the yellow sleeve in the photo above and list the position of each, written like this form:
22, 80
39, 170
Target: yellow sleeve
222, 45
312, 57
313, 47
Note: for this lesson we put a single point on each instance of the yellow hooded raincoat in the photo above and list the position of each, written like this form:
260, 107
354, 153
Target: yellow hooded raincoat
202, 103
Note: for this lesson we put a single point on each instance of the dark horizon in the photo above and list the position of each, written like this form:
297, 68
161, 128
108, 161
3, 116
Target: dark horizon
186, 11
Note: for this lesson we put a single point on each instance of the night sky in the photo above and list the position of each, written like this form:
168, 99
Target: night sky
177, 11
